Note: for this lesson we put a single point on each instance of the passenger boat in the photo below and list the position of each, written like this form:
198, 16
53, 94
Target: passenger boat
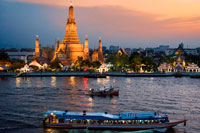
105, 121
104, 91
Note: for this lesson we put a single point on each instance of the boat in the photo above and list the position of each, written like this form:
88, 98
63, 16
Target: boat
104, 91
195, 76
95, 76
178, 75
106, 121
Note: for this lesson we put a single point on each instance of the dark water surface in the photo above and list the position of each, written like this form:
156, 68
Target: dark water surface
22, 100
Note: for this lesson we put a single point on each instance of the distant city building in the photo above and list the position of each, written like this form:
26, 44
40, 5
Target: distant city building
133, 50
27, 50
25, 56
114, 49
9, 50
104, 48
128, 51
198, 50
161, 48
171, 51
191, 51
149, 51
187, 51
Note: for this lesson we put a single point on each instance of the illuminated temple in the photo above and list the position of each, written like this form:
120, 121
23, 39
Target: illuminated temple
70, 48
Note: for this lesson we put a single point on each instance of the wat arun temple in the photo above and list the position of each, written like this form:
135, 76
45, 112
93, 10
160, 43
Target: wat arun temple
68, 51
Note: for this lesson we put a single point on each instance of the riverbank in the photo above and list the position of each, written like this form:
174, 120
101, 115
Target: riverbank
122, 74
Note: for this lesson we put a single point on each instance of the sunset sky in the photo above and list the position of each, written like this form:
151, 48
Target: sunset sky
127, 23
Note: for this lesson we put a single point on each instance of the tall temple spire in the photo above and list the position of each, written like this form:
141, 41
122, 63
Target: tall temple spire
37, 47
71, 3
100, 45
95, 55
86, 48
100, 51
71, 11
70, 48
71, 36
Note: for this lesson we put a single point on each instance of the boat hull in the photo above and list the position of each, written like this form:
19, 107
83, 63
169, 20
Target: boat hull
95, 76
115, 126
111, 93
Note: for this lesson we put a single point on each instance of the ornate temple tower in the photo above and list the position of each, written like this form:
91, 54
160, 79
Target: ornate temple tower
95, 56
100, 52
86, 49
71, 44
37, 47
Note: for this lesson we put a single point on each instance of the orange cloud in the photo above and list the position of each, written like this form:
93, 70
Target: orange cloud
142, 20
167, 8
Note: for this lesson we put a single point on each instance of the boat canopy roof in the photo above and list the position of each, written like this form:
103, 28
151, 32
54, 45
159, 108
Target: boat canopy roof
105, 116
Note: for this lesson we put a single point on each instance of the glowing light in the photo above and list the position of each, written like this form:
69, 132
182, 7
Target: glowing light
72, 79
90, 99
18, 82
98, 80
71, 3
85, 82
53, 81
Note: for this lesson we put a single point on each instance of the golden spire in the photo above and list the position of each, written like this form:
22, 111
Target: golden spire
37, 47
71, 3
37, 37
86, 37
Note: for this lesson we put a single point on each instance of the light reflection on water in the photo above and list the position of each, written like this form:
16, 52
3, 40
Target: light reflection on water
53, 81
22, 110
18, 82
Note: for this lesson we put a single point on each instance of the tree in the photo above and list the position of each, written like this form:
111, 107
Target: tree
18, 64
4, 59
148, 61
55, 64
137, 61
96, 64
47, 52
78, 63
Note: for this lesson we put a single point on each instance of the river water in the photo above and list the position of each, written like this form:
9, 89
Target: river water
22, 100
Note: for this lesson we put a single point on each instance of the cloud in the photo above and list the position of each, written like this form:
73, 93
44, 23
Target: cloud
115, 24
168, 8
